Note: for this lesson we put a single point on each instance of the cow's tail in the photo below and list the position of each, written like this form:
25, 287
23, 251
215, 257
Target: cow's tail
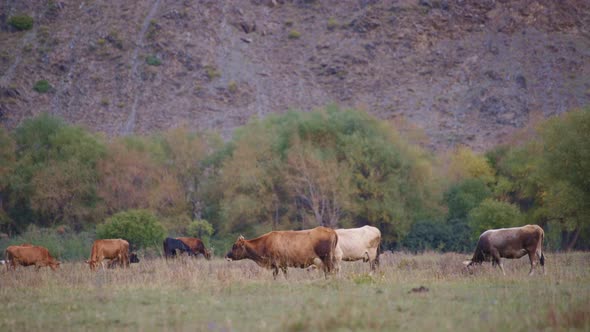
7, 259
378, 254
331, 261
542, 256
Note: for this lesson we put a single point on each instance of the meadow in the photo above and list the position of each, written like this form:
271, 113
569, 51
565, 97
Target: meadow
422, 292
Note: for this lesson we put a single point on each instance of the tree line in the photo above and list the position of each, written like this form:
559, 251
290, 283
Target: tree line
331, 167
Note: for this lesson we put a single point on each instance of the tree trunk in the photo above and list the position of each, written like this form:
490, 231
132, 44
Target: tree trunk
573, 239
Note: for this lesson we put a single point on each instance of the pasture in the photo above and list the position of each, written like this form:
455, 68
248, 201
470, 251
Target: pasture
199, 295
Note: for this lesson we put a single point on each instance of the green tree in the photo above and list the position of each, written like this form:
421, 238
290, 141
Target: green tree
140, 227
55, 174
462, 197
333, 167
201, 229
565, 168
493, 214
7, 164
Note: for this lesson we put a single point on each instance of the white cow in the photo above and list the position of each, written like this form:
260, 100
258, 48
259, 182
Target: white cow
355, 244
358, 243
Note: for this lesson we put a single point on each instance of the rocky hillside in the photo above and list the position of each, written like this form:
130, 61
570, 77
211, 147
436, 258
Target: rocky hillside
465, 71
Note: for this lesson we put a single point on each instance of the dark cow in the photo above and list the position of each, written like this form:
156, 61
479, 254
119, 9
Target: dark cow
282, 249
515, 242
29, 255
171, 245
197, 246
113, 249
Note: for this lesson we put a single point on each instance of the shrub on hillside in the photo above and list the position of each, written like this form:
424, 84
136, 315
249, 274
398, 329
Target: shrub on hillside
139, 227
42, 86
153, 60
294, 34
21, 22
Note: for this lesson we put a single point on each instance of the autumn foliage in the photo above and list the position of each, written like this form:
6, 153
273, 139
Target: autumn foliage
331, 167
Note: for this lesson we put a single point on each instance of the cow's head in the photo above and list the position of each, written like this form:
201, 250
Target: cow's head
208, 254
238, 250
92, 264
54, 264
133, 258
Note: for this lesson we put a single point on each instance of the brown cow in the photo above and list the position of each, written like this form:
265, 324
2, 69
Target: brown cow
510, 243
30, 255
196, 245
114, 249
281, 249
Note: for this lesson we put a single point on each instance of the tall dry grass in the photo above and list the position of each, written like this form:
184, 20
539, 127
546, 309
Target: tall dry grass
195, 294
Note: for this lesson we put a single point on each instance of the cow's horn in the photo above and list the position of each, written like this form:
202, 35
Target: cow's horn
466, 263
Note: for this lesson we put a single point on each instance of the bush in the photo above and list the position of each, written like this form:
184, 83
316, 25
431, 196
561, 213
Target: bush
21, 22
332, 24
294, 34
453, 235
201, 229
42, 86
212, 72
153, 60
493, 214
464, 196
139, 227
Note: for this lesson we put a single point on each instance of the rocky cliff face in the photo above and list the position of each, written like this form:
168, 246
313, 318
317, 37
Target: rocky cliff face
466, 72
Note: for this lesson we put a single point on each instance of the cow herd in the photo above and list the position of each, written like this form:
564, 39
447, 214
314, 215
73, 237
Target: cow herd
321, 247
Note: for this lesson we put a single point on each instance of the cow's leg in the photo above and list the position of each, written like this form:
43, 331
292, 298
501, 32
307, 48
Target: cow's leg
275, 272
532, 259
284, 269
501, 266
498, 260
373, 264
102, 264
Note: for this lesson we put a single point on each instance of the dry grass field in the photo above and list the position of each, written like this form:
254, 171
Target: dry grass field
217, 295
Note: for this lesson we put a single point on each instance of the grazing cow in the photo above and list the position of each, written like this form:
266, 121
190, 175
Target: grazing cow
359, 243
197, 246
510, 243
114, 262
171, 245
282, 249
30, 255
113, 249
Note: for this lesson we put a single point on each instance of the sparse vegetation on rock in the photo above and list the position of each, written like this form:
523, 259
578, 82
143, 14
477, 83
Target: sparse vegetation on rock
42, 86
153, 60
294, 34
21, 22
